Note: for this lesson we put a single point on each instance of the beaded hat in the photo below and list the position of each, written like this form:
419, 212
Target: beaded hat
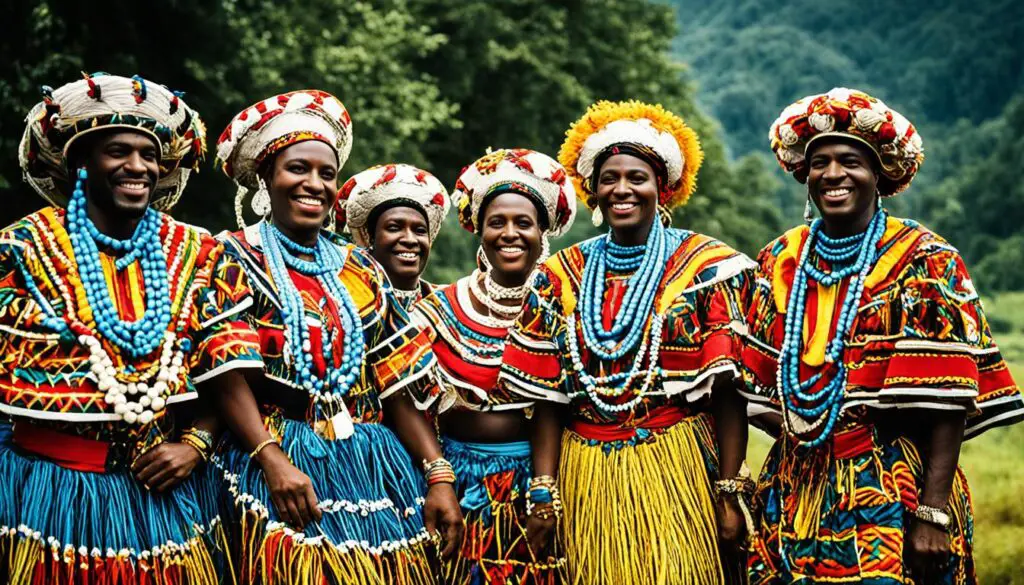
268, 127
395, 184
854, 115
639, 127
99, 102
517, 170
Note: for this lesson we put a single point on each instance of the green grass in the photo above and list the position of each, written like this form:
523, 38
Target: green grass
993, 462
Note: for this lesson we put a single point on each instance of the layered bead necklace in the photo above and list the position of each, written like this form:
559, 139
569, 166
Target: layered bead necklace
282, 253
629, 326
135, 394
489, 295
850, 257
136, 338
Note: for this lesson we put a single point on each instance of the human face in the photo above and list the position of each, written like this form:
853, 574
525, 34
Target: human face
123, 168
627, 195
841, 180
303, 188
511, 237
401, 243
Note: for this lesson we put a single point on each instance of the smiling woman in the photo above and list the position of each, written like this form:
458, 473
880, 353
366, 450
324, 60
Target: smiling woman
513, 200
322, 490
396, 211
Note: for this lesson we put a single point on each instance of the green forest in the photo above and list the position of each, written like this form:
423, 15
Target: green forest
435, 82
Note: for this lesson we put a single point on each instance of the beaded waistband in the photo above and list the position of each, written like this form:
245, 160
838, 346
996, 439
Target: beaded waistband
657, 420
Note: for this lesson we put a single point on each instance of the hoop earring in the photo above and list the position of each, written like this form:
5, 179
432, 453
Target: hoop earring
545, 250
878, 200
809, 209
329, 223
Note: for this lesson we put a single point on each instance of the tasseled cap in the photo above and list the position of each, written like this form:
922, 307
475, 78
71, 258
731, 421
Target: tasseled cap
100, 102
660, 136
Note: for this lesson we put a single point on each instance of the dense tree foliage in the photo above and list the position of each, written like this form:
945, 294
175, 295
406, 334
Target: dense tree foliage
953, 68
430, 82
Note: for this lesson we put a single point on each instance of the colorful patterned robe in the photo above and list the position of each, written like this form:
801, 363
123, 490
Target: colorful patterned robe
370, 491
67, 445
919, 342
492, 478
656, 460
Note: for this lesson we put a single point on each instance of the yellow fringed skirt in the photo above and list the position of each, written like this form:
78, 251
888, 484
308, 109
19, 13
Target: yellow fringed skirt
642, 514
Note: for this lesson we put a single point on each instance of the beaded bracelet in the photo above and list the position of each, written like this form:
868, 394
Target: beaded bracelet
741, 485
260, 447
203, 435
439, 470
543, 499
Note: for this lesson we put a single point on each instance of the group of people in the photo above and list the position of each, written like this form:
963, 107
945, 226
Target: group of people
292, 403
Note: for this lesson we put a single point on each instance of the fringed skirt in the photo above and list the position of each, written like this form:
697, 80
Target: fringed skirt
641, 511
64, 526
492, 483
837, 513
371, 497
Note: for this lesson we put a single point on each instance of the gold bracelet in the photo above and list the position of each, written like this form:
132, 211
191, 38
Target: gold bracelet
195, 444
260, 447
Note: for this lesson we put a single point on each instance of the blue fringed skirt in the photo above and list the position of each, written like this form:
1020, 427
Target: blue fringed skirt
62, 525
371, 497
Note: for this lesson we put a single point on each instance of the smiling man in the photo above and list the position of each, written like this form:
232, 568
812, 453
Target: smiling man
868, 338
112, 312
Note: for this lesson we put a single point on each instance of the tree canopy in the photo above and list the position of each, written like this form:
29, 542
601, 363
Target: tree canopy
431, 83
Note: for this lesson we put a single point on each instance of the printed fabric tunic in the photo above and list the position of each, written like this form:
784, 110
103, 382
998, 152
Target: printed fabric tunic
920, 341
370, 490
65, 481
398, 355
467, 348
652, 452
701, 297
46, 378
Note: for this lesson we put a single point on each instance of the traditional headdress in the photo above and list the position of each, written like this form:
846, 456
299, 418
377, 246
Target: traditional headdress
853, 115
516, 170
101, 102
644, 130
393, 185
268, 127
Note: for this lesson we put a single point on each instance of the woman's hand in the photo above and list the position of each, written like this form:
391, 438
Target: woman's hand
290, 490
926, 552
441, 512
539, 532
732, 525
165, 466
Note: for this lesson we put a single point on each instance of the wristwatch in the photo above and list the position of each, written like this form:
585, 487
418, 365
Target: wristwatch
932, 516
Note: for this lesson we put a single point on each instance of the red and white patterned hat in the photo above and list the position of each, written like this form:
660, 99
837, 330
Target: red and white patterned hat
519, 170
99, 102
267, 127
364, 192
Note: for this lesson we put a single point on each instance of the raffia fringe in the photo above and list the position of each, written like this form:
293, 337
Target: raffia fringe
276, 557
28, 561
642, 515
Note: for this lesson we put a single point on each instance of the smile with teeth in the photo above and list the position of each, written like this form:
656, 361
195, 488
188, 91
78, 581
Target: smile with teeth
408, 255
840, 192
625, 206
133, 185
511, 249
310, 201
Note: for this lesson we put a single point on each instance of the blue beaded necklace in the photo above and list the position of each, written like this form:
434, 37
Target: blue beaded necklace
647, 263
851, 257
328, 259
141, 337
